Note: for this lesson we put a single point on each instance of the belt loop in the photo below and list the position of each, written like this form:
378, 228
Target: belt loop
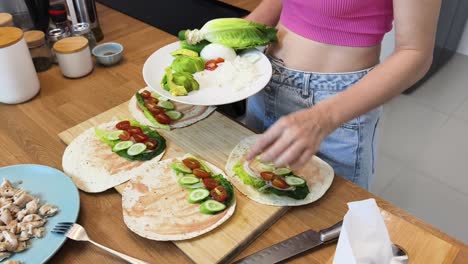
306, 85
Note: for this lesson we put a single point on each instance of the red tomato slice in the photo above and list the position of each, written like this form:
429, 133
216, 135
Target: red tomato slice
163, 118
219, 194
152, 100
280, 183
219, 60
267, 175
156, 111
134, 130
125, 136
151, 144
145, 94
191, 163
123, 125
210, 183
201, 173
211, 65
140, 138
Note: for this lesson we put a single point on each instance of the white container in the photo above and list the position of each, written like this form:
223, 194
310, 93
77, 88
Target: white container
74, 57
18, 78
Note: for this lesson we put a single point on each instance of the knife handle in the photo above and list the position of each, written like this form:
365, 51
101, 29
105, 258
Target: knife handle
331, 233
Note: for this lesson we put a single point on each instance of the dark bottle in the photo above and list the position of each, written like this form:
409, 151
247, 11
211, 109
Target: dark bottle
58, 14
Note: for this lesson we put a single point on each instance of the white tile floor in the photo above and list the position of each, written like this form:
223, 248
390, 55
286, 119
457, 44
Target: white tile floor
423, 162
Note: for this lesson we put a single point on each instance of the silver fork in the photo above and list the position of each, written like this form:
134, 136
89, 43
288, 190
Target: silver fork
78, 233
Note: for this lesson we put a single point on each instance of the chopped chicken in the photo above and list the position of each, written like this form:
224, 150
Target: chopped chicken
22, 218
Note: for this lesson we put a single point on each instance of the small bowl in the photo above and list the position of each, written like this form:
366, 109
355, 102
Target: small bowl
108, 53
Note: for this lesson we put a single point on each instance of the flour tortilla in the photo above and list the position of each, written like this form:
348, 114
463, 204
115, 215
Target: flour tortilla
93, 166
317, 173
155, 206
191, 113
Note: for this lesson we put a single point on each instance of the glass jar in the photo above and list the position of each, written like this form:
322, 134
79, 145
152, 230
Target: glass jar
40, 52
84, 30
6, 20
55, 35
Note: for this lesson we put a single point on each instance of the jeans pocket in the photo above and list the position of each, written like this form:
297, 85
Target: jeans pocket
341, 150
321, 95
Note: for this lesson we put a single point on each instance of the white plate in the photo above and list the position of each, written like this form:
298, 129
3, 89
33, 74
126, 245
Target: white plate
153, 72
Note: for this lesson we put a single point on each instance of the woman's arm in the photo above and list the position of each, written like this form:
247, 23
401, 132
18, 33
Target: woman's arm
295, 138
415, 27
267, 12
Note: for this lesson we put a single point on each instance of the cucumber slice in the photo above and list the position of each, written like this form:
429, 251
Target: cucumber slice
188, 180
294, 181
166, 105
282, 171
159, 97
174, 115
136, 149
114, 135
267, 167
180, 167
194, 186
198, 195
122, 145
212, 207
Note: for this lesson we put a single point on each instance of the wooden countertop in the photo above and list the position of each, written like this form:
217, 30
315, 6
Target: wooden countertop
28, 134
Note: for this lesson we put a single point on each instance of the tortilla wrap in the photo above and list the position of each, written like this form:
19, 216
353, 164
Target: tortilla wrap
93, 166
191, 113
155, 206
317, 174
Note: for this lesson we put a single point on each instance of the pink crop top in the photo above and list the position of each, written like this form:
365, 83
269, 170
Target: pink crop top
352, 23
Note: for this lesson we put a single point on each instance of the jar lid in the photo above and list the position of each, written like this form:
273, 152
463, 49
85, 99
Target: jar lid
70, 45
9, 36
57, 34
81, 28
34, 38
6, 20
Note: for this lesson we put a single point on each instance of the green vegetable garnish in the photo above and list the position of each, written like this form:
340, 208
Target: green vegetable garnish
236, 33
148, 114
188, 64
198, 195
212, 207
246, 178
136, 149
152, 134
195, 47
122, 145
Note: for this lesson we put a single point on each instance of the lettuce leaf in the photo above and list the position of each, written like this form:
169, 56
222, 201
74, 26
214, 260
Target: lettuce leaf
246, 178
153, 134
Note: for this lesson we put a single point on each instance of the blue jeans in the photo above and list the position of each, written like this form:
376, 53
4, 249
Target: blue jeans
350, 149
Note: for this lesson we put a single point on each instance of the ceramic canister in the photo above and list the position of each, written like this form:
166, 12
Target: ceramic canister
18, 78
73, 56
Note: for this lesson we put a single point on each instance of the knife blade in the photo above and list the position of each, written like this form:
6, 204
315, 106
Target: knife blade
294, 245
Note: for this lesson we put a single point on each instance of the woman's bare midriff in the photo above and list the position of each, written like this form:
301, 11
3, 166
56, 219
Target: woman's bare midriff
304, 54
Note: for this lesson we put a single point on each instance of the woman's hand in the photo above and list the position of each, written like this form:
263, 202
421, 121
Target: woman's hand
293, 139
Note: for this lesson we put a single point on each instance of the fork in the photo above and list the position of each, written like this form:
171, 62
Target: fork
78, 233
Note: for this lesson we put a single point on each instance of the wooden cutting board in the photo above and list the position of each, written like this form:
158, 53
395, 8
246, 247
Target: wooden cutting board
211, 140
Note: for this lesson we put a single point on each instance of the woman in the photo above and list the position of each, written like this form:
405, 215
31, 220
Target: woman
327, 87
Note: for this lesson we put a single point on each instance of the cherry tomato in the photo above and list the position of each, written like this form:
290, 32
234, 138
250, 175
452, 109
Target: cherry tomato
156, 111
210, 183
151, 144
125, 136
163, 118
151, 105
152, 100
134, 130
140, 138
219, 194
219, 60
211, 65
191, 163
123, 125
145, 94
201, 173
267, 175
280, 183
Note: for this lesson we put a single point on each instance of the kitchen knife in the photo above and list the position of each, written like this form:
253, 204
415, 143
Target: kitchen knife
294, 245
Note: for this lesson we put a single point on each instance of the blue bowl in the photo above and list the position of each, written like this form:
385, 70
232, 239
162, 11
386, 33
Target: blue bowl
108, 53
